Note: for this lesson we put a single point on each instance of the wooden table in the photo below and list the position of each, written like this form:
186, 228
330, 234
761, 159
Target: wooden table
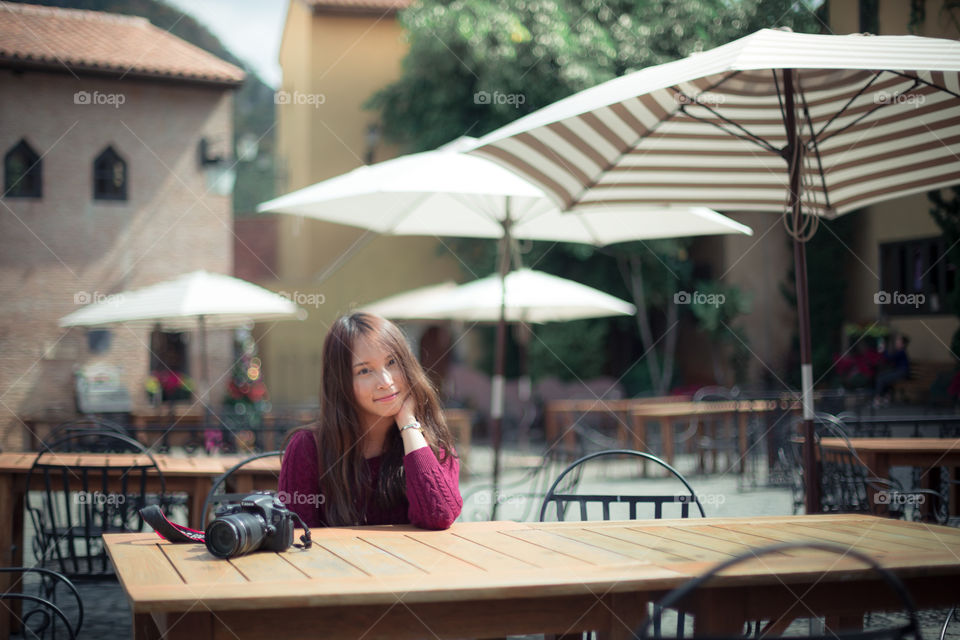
879, 454
494, 578
193, 476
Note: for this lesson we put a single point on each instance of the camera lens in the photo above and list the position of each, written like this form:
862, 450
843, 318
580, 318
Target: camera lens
235, 534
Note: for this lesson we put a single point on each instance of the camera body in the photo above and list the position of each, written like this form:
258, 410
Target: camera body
258, 521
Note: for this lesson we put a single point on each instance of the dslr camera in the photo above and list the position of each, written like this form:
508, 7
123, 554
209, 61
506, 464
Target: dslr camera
259, 521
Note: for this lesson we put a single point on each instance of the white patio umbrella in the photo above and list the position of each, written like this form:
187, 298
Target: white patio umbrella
447, 193
776, 121
196, 300
528, 296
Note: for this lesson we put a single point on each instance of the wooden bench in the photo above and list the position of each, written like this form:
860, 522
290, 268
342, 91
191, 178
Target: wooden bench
916, 388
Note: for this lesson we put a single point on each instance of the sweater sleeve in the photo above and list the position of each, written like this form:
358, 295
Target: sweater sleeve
299, 483
433, 489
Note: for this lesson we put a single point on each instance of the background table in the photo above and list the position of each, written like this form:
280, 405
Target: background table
879, 454
495, 578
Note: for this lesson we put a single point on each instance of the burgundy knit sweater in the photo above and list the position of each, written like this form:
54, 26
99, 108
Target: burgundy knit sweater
432, 494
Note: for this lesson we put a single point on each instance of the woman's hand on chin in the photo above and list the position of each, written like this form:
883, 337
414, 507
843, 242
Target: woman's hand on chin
406, 414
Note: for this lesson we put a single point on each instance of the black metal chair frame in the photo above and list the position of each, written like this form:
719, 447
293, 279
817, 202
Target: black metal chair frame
213, 497
66, 526
49, 581
89, 428
677, 596
563, 499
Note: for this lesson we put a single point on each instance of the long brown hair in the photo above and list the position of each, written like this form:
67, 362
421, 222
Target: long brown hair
344, 474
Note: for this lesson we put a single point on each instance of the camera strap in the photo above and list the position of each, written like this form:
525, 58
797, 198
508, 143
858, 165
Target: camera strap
167, 530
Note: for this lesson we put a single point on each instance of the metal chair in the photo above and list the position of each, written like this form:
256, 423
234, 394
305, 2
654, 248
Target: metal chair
563, 498
216, 495
676, 598
78, 503
45, 608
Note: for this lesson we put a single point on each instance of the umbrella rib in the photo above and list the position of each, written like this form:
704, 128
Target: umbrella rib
842, 109
862, 117
746, 135
814, 144
924, 82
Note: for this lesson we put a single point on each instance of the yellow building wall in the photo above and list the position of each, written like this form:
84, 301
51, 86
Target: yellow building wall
902, 219
332, 64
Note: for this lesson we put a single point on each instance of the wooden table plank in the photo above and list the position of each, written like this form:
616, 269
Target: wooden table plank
266, 566
318, 562
895, 537
143, 562
195, 564
568, 542
519, 549
720, 532
799, 533
656, 550
372, 560
599, 539
470, 551
420, 555
678, 547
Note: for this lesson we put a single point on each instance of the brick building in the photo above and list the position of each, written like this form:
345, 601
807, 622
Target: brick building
116, 138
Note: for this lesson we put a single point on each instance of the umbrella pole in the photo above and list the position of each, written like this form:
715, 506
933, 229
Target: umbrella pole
497, 388
204, 369
811, 475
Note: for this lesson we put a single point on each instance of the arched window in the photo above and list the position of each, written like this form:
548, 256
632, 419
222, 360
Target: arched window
22, 172
109, 176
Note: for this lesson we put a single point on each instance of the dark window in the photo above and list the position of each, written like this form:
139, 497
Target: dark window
109, 176
869, 17
23, 172
916, 277
99, 340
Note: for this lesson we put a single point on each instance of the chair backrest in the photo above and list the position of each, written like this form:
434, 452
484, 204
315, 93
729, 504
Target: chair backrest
47, 612
218, 495
675, 598
87, 439
563, 498
74, 498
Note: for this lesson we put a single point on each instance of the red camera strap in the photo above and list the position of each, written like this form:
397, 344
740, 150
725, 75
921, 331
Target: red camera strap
167, 530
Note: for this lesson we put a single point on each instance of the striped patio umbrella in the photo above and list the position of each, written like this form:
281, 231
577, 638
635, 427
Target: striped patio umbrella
799, 124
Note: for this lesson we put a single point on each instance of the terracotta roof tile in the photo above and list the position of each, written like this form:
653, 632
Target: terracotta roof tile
92, 41
359, 6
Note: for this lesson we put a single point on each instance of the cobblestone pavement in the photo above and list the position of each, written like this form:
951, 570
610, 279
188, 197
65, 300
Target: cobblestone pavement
107, 612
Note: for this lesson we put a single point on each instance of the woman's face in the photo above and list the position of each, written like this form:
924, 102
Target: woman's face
379, 386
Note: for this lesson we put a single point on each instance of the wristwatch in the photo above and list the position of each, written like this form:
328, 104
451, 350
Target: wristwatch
413, 425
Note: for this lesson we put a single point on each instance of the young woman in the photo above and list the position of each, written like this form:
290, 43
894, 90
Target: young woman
381, 452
